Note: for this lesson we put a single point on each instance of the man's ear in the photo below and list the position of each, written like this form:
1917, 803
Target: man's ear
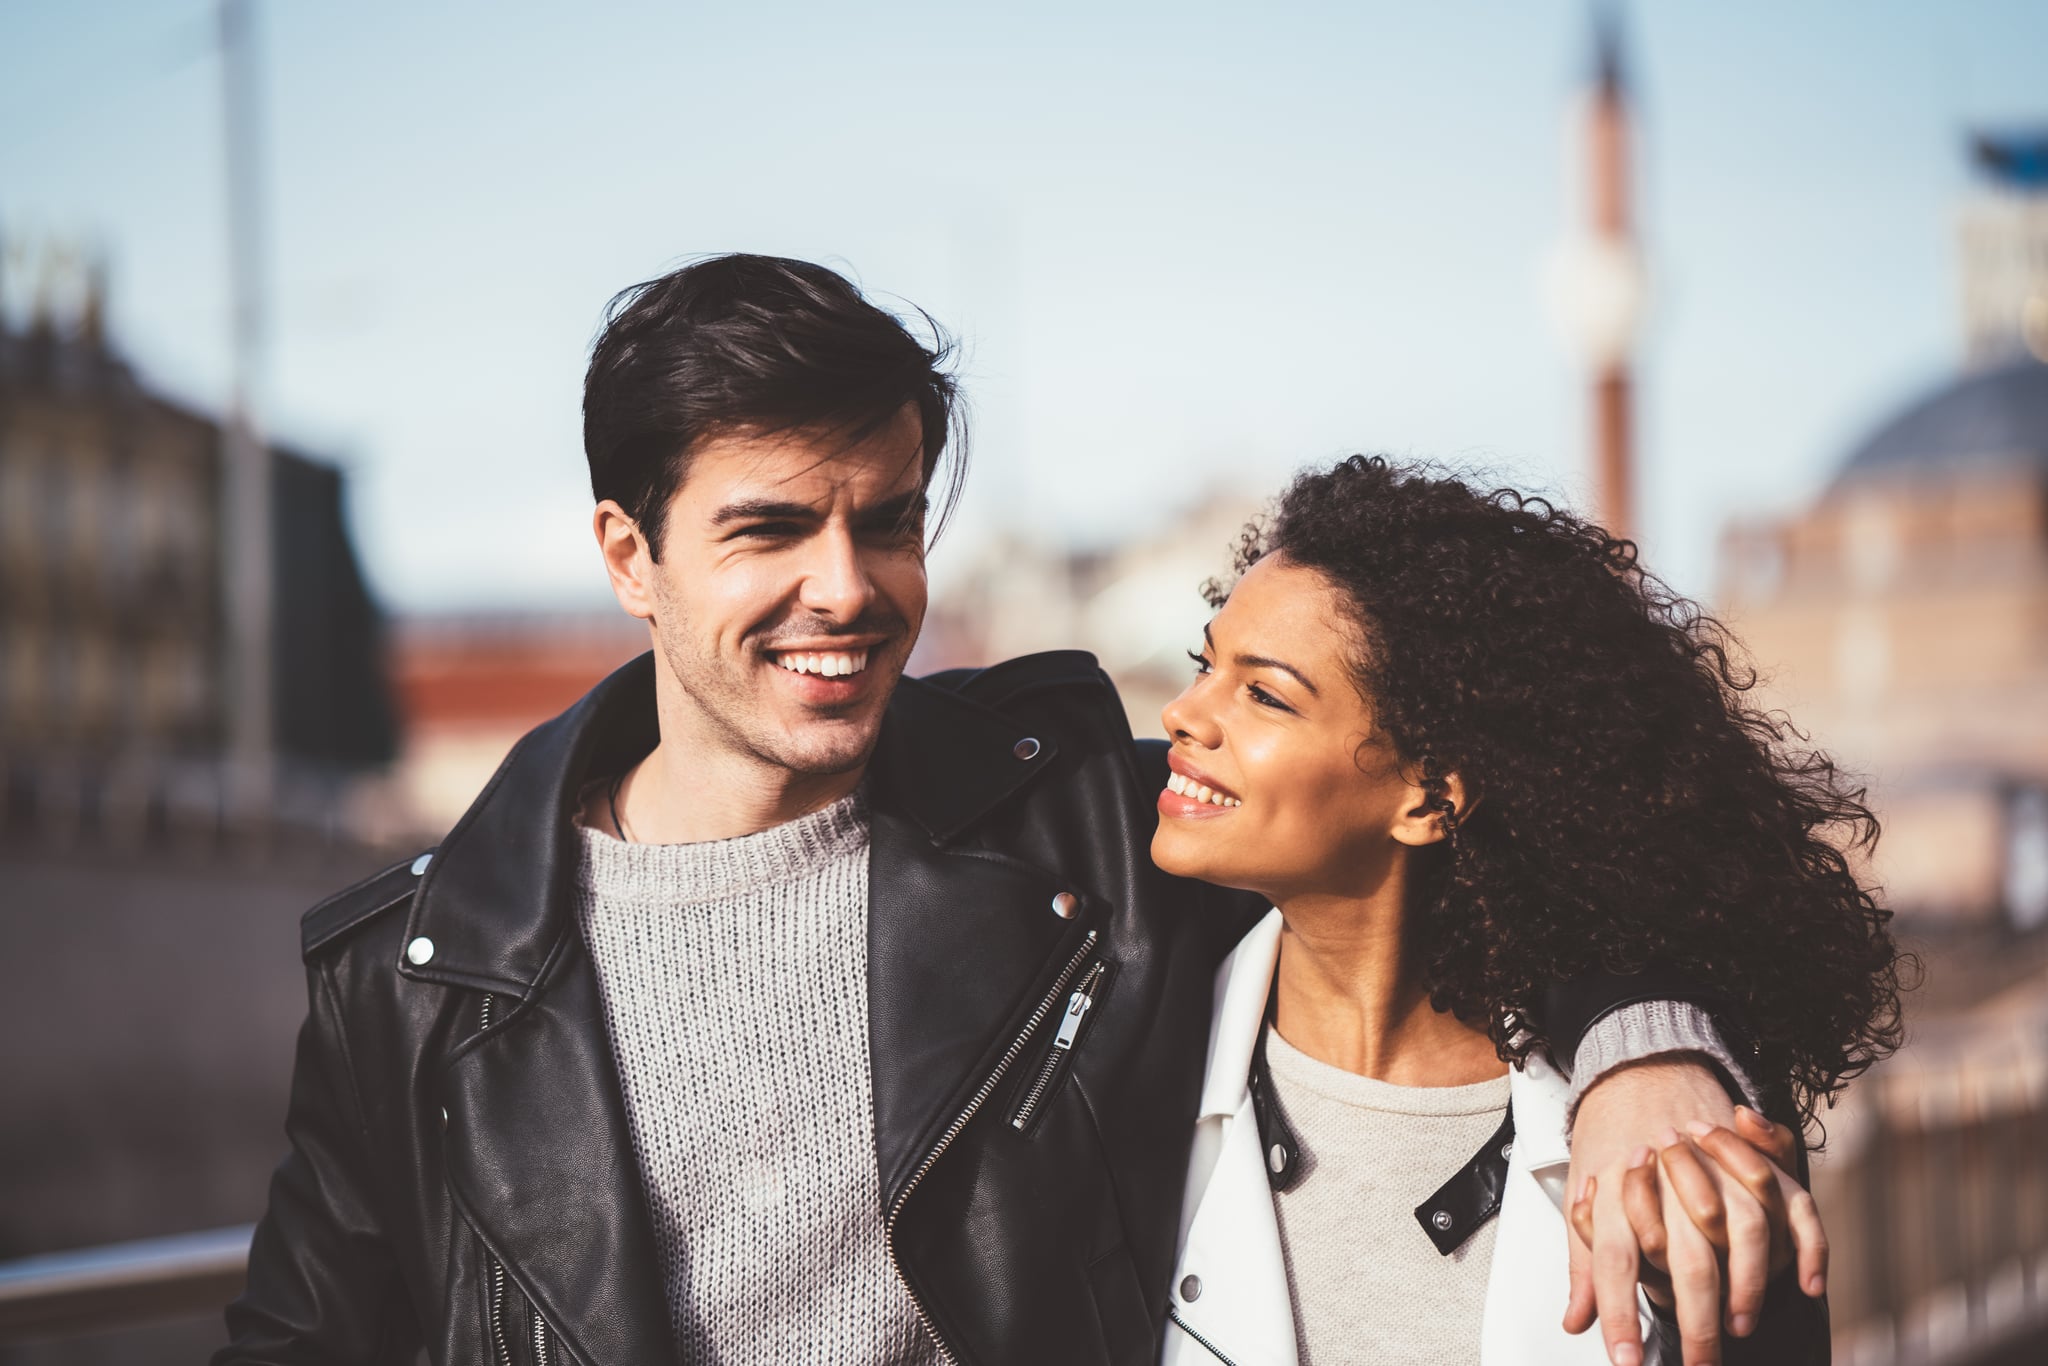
1423, 818
628, 560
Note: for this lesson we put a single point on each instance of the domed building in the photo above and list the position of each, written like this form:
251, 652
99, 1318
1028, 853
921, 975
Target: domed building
1903, 618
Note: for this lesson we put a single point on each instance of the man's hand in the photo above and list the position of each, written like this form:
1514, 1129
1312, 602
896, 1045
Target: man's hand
1702, 1212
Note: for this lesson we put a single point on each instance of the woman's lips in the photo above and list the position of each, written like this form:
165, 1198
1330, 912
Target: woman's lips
1189, 792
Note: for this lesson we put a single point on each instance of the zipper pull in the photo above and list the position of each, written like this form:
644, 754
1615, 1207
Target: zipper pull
1078, 1006
1049, 1071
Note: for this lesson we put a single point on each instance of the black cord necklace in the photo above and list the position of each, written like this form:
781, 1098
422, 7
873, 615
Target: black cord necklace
612, 801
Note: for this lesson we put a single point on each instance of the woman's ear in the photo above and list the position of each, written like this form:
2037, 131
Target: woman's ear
1423, 820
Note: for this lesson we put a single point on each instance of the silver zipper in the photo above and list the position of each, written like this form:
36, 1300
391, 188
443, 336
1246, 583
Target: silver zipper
1213, 1349
974, 1104
543, 1345
498, 1342
1078, 1006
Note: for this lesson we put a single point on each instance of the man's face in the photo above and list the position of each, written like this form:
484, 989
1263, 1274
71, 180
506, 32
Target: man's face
790, 590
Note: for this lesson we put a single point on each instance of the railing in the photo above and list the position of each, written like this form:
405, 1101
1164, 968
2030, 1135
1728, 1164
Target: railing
1937, 1202
62, 1294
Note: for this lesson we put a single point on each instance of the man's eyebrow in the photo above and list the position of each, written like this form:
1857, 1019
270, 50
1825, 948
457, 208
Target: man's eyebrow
763, 510
894, 510
1244, 661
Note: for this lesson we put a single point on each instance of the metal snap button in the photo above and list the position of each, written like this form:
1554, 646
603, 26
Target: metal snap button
1027, 748
1066, 905
1507, 1150
1441, 1220
1276, 1158
419, 951
1191, 1288
419, 865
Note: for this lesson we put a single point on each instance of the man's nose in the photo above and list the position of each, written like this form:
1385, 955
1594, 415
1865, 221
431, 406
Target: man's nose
836, 581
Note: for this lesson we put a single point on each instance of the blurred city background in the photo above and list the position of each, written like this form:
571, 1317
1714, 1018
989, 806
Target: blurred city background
294, 300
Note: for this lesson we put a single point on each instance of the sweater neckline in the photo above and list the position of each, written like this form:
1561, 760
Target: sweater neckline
1292, 1067
717, 870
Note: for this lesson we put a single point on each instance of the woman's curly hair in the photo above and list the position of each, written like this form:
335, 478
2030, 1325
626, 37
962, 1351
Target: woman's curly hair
1632, 804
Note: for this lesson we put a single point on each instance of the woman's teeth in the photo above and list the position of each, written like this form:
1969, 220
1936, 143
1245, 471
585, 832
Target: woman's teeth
826, 665
1194, 791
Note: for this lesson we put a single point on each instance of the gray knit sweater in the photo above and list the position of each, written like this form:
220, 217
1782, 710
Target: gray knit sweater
734, 976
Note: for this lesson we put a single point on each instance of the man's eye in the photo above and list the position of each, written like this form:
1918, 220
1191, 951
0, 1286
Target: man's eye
770, 530
1201, 662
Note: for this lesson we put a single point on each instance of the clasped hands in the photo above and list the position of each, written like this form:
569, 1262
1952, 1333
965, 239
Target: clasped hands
1689, 1214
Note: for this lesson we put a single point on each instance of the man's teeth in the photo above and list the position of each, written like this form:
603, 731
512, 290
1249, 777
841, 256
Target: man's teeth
825, 665
1194, 791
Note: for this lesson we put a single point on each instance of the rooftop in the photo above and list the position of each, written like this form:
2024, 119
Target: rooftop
1981, 421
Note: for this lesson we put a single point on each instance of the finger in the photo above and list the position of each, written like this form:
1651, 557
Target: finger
1614, 1275
1579, 1309
1749, 1253
1739, 1159
1809, 1240
1698, 1194
1695, 1284
1778, 1142
1644, 1204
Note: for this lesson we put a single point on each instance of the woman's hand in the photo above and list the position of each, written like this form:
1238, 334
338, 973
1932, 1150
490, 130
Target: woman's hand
1689, 1217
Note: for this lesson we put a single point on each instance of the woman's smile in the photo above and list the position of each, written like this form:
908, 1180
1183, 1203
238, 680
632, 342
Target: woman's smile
1189, 792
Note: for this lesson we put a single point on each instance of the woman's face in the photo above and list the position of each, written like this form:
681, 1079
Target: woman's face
1306, 796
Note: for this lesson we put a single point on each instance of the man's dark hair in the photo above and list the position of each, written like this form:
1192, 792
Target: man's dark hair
754, 343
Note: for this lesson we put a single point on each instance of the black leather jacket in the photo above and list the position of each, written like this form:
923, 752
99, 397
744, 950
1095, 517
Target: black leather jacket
461, 1176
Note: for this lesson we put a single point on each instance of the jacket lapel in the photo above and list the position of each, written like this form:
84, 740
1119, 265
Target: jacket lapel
541, 1162
539, 1155
962, 942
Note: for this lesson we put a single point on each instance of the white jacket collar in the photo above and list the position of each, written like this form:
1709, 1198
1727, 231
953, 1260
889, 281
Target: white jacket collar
1230, 1244
1241, 987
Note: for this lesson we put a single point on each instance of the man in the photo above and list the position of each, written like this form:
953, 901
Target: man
766, 1006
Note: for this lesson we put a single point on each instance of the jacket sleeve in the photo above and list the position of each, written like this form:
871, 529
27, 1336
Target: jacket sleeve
323, 1285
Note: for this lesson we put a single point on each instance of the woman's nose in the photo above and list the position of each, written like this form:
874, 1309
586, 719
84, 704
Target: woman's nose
1187, 716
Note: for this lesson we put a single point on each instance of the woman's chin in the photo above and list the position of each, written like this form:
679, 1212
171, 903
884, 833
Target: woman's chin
1184, 853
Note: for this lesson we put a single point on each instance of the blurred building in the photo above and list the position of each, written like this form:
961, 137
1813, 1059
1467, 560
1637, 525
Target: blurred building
1137, 605
1902, 620
1903, 617
114, 710
469, 685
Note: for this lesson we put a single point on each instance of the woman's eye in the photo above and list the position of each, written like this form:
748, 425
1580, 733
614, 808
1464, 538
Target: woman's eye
1201, 663
1266, 699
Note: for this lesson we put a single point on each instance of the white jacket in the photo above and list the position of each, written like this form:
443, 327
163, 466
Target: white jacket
1230, 1239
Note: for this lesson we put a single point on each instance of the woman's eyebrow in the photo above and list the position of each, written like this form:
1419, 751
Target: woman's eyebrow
1262, 662
1245, 661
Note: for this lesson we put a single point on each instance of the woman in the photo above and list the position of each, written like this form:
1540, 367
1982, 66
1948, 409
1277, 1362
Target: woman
1465, 745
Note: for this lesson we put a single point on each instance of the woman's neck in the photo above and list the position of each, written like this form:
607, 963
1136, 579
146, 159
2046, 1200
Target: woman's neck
1348, 994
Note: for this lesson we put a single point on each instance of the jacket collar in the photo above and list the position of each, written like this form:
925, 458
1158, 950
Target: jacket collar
1536, 1122
1242, 984
494, 898
537, 1139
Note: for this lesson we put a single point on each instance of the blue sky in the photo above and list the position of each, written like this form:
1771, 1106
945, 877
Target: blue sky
1184, 244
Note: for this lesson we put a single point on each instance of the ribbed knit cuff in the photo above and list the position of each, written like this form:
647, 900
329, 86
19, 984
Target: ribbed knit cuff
1651, 1030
